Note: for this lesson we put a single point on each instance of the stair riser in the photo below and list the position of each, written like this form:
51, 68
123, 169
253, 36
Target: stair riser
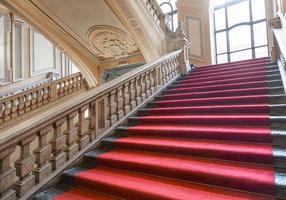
226, 81
262, 91
202, 70
274, 99
239, 63
213, 154
224, 72
273, 83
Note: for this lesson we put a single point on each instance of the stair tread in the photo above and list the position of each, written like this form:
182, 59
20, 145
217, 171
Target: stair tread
222, 132
222, 87
214, 172
129, 185
225, 150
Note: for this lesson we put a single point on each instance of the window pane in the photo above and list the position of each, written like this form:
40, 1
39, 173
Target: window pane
43, 53
17, 51
74, 68
221, 43
220, 19
166, 8
218, 2
3, 52
260, 34
241, 55
261, 52
238, 13
239, 38
222, 58
175, 18
258, 9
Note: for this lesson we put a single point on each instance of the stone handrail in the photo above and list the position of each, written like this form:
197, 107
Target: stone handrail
25, 101
35, 151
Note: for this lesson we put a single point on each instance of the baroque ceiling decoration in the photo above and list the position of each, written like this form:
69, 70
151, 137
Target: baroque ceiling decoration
110, 42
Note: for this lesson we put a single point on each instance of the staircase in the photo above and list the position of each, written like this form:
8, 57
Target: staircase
216, 133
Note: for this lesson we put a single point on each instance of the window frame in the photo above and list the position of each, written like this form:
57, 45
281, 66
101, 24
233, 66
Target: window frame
34, 72
20, 23
171, 13
6, 79
228, 28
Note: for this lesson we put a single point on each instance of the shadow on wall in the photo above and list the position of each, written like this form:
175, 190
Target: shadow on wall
113, 73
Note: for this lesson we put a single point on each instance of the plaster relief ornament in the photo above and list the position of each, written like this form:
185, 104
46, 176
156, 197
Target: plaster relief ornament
110, 42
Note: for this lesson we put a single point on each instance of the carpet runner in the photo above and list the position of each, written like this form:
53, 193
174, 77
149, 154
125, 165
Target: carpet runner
207, 136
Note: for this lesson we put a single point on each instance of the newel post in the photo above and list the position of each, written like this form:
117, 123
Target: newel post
184, 44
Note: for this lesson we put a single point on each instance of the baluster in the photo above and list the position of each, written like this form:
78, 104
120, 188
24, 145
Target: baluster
158, 77
143, 87
164, 74
148, 83
138, 90
133, 93
102, 113
74, 83
71, 135
92, 121
21, 106
120, 111
14, 107
45, 95
112, 104
70, 86
126, 98
39, 97
34, 100
24, 167
7, 111
7, 173
42, 154
1, 112
83, 127
58, 143
152, 80
28, 102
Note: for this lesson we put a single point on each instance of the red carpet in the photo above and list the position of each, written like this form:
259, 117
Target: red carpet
206, 137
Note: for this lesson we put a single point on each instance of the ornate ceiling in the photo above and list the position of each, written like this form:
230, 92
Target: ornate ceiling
110, 42
93, 24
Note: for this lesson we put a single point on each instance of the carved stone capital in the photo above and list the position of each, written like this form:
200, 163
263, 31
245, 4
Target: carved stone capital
275, 22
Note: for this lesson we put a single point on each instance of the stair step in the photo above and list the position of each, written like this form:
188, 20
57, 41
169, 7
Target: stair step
233, 119
259, 134
230, 72
130, 185
242, 62
216, 87
222, 150
247, 77
278, 109
235, 100
238, 176
224, 93
234, 66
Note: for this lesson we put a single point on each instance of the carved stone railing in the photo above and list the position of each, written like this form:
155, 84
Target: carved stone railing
31, 99
153, 7
278, 51
37, 150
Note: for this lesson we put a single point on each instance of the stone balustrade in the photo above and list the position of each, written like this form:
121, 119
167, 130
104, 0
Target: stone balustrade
35, 151
25, 101
155, 10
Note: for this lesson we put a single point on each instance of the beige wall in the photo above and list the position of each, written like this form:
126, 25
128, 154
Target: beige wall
195, 16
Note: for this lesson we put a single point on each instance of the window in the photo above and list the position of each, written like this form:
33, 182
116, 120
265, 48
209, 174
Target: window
68, 66
169, 8
43, 54
17, 51
240, 30
3, 49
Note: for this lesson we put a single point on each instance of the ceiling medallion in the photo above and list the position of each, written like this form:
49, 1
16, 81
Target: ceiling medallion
110, 42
